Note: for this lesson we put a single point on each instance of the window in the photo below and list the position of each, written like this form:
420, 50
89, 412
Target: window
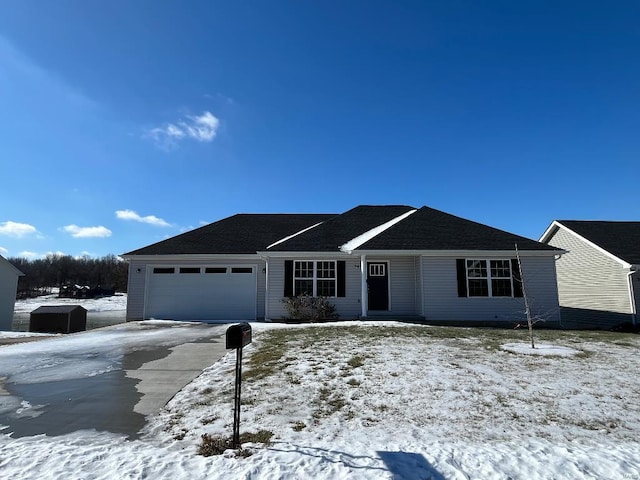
489, 278
377, 269
164, 270
215, 270
315, 278
189, 270
242, 270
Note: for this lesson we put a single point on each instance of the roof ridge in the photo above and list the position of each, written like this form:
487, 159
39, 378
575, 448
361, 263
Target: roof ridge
374, 232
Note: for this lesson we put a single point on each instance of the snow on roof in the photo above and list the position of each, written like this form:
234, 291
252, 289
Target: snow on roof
366, 236
293, 235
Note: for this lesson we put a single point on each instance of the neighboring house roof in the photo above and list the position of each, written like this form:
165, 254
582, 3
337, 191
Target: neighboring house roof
621, 239
430, 229
238, 234
329, 236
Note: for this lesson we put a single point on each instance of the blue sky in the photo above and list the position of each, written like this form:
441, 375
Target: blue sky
123, 123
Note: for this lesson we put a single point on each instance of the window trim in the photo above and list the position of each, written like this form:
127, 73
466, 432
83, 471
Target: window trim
488, 278
314, 278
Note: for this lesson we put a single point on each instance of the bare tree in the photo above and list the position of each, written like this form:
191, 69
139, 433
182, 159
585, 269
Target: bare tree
530, 319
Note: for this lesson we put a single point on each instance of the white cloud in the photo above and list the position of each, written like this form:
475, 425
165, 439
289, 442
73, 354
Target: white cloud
87, 232
150, 219
3, 251
201, 128
15, 229
28, 254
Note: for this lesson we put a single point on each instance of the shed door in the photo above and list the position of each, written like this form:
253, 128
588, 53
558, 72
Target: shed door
220, 292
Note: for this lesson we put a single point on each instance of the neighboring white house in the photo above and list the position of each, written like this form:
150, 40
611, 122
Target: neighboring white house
8, 287
372, 262
598, 279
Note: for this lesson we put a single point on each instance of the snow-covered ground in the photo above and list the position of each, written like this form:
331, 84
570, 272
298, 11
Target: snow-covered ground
102, 304
356, 400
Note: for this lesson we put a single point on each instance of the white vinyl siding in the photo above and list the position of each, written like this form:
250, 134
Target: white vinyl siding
441, 300
589, 279
8, 286
348, 307
136, 290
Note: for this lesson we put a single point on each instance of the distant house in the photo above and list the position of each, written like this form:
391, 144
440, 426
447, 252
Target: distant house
598, 279
8, 287
372, 262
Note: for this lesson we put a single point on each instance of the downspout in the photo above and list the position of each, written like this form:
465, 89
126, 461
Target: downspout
266, 288
364, 287
632, 296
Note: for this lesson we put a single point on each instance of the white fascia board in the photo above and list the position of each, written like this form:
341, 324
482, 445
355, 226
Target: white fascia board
200, 256
460, 253
597, 247
294, 235
304, 255
548, 233
354, 243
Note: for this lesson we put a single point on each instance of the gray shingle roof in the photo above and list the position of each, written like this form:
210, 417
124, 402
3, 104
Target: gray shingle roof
337, 231
426, 229
238, 234
430, 229
621, 239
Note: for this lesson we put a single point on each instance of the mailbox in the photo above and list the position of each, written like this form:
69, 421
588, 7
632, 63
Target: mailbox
238, 335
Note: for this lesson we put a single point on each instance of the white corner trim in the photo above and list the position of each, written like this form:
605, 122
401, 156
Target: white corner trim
294, 235
368, 235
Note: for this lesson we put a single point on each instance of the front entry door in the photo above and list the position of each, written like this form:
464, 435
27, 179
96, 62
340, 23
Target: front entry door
378, 285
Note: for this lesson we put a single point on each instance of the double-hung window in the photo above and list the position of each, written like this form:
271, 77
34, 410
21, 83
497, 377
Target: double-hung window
315, 278
489, 278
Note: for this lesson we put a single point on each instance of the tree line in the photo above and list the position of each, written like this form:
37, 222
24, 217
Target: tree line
109, 272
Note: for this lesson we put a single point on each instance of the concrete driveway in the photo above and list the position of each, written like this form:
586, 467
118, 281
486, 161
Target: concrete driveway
106, 379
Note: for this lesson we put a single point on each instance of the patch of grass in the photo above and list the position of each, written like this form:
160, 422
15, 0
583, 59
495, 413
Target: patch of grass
217, 444
356, 361
214, 445
207, 391
209, 420
173, 421
180, 435
299, 426
261, 436
266, 360
353, 382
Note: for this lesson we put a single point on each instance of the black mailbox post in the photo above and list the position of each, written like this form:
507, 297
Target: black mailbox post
238, 336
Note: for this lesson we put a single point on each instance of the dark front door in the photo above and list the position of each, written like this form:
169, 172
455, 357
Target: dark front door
378, 285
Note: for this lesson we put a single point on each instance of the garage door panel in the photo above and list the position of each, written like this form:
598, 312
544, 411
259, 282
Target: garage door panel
203, 296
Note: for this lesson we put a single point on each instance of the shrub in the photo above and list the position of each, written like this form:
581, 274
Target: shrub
214, 445
309, 309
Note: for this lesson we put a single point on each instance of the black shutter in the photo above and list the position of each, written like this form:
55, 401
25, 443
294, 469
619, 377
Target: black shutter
288, 278
341, 278
517, 281
462, 277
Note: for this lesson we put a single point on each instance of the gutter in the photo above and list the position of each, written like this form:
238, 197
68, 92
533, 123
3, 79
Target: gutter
632, 296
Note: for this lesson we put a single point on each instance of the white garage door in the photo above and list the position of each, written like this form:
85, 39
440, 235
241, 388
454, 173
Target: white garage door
224, 292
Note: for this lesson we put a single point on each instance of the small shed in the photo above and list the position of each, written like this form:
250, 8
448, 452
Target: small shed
58, 319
